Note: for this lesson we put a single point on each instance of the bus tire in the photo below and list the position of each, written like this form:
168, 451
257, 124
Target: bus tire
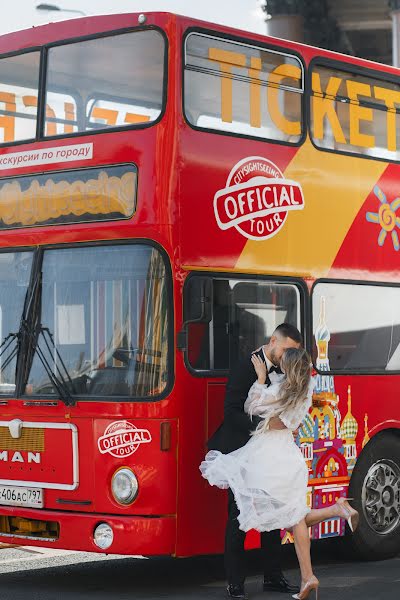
375, 487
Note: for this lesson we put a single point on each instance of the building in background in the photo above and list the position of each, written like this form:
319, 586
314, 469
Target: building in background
366, 28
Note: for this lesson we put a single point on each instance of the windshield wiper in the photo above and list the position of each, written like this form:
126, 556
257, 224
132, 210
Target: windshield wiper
30, 331
9, 343
8, 340
59, 379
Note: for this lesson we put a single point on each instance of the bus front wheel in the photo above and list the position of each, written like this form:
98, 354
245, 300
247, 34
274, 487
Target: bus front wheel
375, 487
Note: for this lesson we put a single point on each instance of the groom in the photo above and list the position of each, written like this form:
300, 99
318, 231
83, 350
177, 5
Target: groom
235, 433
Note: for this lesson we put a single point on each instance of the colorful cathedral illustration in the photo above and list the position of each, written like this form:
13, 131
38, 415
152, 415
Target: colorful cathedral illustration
327, 441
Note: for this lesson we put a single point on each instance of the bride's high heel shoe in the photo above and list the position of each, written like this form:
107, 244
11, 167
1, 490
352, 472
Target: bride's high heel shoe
351, 515
310, 586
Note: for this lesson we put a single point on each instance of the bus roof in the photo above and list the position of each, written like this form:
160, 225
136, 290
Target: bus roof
90, 25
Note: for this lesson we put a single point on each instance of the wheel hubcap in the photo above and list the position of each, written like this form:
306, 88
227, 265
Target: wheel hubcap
381, 496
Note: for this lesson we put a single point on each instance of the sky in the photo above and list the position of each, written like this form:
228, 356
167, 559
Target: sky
243, 14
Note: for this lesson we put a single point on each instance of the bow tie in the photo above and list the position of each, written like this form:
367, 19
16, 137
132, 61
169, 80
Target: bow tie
275, 369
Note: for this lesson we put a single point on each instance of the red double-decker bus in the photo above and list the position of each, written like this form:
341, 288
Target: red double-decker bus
170, 191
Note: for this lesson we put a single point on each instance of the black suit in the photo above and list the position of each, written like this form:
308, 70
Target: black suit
231, 435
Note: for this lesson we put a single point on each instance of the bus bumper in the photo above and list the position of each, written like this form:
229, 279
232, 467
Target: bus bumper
74, 531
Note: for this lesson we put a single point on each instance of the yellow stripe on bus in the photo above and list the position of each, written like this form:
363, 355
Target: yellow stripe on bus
335, 187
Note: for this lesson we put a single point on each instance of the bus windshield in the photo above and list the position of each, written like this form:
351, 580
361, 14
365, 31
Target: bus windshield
105, 308
98, 326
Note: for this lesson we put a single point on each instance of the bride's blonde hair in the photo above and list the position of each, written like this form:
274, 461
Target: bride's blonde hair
296, 365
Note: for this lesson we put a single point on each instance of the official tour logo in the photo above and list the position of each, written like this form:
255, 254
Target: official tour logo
256, 199
122, 439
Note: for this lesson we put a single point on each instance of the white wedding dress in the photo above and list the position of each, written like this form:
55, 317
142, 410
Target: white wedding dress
268, 476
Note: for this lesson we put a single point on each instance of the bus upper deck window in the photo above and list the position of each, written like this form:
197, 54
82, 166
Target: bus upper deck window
243, 89
19, 79
110, 81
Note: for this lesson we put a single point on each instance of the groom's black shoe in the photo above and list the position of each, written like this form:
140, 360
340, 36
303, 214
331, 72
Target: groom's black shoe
279, 583
235, 591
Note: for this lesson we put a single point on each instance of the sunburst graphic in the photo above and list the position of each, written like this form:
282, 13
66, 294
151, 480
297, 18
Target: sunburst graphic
386, 217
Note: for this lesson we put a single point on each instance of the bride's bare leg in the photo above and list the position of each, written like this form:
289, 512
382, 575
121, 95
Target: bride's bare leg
317, 515
302, 546
341, 509
302, 540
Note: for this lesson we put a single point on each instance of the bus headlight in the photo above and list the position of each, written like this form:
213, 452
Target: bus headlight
103, 536
124, 486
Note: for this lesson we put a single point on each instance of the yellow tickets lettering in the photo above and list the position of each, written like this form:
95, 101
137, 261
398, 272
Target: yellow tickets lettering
51, 126
226, 60
323, 107
283, 71
391, 98
133, 118
255, 91
108, 116
69, 110
7, 122
359, 113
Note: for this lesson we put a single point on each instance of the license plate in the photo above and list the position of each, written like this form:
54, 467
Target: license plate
21, 496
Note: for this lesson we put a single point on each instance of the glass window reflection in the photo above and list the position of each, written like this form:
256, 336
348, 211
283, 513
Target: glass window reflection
244, 314
15, 272
110, 81
358, 326
106, 310
19, 80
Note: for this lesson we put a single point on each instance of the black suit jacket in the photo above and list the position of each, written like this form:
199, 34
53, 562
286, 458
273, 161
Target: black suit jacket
237, 425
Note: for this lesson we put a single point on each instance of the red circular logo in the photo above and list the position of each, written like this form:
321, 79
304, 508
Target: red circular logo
122, 438
256, 199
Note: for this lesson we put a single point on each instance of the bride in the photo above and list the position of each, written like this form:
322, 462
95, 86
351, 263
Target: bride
268, 476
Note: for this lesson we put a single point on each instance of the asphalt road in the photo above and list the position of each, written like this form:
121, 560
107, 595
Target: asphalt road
51, 575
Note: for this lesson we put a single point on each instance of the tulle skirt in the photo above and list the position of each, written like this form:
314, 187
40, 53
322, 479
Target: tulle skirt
268, 477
